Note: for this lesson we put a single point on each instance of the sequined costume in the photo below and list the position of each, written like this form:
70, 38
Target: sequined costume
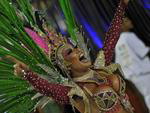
108, 88
113, 33
107, 100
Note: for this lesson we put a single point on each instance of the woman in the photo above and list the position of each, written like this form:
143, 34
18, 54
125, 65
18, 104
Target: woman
93, 88
101, 89
94, 84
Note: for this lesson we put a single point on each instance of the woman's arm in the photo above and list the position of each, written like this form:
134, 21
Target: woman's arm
113, 33
56, 91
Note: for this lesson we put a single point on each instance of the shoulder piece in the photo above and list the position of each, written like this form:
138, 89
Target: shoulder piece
100, 60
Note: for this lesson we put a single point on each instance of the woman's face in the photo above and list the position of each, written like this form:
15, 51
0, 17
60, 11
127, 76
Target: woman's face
127, 24
76, 57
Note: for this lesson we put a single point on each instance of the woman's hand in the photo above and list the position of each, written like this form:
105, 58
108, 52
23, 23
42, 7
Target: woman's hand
19, 68
126, 1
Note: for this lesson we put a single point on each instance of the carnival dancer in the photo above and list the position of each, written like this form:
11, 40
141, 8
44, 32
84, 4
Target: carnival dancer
72, 79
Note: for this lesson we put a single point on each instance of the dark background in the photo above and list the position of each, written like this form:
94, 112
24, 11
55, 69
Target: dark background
95, 17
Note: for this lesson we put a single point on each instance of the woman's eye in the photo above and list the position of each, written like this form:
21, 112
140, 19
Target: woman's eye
69, 51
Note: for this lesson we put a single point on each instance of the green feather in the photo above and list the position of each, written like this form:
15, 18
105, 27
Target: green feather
69, 18
16, 93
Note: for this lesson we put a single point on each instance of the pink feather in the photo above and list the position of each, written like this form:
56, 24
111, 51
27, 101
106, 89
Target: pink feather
37, 39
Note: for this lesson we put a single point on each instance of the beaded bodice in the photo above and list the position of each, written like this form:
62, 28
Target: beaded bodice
106, 98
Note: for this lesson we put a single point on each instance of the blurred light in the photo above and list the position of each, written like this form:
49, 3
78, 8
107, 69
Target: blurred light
92, 33
96, 39
146, 4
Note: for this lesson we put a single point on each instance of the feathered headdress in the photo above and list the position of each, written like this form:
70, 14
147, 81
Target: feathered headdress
34, 48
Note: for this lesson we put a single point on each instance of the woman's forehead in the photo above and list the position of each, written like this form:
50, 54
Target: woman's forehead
68, 46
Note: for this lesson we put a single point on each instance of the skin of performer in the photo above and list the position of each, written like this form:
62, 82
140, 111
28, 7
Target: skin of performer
81, 67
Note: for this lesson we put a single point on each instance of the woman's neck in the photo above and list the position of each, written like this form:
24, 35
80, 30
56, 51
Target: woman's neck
79, 74
125, 30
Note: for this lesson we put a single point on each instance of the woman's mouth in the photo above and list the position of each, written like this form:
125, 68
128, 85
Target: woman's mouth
82, 58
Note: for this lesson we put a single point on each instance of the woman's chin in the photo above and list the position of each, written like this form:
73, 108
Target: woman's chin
87, 64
